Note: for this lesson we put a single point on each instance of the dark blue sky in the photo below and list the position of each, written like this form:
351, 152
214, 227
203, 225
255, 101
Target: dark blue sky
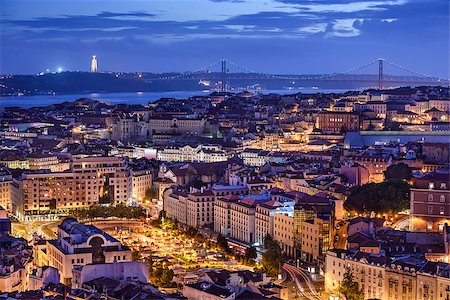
277, 36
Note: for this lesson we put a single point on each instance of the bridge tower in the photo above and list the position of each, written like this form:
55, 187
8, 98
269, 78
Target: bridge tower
223, 75
380, 73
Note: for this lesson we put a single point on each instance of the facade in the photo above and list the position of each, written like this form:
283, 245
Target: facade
200, 208
79, 244
242, 221
374, 164
91, 180
369, 271
222, 213
128, 270
201, 153
174, 204
42, 276
316, 239
141, 180
382, 278
328, 121
436, 152
430, 201
5, 189
264, 221
283, 229
46, 162
15, 263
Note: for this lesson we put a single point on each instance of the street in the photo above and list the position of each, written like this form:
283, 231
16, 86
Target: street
303, 283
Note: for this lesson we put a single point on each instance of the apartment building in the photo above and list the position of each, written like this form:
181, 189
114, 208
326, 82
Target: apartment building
242, 220
141, 180
264, 220
430, 201
379, 277
15, 263
201, 153
368, 270
200, 208
222, 213
91, 180
5, 188
316, 238
174, 204
333, 121
79, 244
283, 229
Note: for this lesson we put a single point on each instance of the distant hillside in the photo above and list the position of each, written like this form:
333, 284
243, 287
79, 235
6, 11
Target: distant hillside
84, 82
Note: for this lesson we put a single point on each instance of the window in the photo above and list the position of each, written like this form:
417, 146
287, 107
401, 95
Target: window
431, 185
430, 210
442, 198
430, 197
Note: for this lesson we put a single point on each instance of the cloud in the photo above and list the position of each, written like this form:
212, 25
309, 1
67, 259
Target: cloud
389, 20
315, 28
346, 27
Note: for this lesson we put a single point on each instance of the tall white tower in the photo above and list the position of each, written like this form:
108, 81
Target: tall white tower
94, 64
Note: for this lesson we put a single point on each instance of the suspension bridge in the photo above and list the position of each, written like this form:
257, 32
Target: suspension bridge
226, 72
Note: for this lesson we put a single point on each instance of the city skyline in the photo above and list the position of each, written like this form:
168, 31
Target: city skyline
165, 36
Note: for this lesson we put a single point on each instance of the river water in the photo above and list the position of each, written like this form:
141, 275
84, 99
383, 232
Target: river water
128, 98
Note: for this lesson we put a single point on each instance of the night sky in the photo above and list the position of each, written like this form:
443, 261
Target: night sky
284, 36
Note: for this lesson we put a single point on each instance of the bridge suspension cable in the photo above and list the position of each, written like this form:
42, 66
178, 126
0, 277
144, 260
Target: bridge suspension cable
412, 71
208, 69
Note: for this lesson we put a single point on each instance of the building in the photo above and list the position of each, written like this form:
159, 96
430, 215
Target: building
141, 180
316, 238
222, 211
430, 201
128, 270
79, 244
94, 64
40, 277
264, 220
242, 220
5, 188
16, 257
206, 290
39, 161
380, 277
283, 229
368, 270
200, 153
200, 208
436, 152
333, 121
91, 180
174, 204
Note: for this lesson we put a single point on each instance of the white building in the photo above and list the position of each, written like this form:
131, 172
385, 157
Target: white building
130, 270
79, 244
201, 153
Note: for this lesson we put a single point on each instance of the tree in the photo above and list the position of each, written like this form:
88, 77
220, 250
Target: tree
250, 255
272, 257
389, 196
222, 243
136, 255
150, 194
166, 275
399, 171
349, 288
